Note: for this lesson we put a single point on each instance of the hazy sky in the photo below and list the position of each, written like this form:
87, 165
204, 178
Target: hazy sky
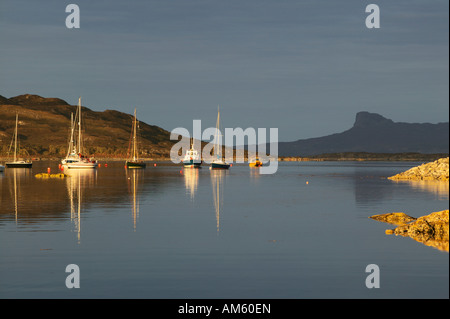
305, 67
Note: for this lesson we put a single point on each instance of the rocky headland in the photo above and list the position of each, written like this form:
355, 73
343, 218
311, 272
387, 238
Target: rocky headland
431, 230
437, 170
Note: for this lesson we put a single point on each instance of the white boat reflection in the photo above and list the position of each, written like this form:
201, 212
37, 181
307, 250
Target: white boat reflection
191, 181
78, 182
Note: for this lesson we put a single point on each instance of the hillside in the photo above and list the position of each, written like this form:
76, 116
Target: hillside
44, 125
374, 133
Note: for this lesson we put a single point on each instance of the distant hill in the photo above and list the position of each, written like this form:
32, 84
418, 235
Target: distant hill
374, 133
44, 125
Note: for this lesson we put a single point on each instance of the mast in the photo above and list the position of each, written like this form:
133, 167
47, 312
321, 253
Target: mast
217, 151
71, 148
15, 138
134, 137
79, 125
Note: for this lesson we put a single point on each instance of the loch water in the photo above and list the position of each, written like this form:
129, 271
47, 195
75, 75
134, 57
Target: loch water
169, 232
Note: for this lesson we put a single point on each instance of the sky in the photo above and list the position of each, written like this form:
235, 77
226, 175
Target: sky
305, 67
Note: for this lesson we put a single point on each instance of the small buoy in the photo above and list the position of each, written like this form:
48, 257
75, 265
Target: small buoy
154, 164
59, 166
231, 165
99, 165
307, 182
181, 172
106, 165
48, 170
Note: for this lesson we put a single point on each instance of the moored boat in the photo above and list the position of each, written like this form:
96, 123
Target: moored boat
255, 163
133, 161
18, 163
192, 159
74, 158
219, 162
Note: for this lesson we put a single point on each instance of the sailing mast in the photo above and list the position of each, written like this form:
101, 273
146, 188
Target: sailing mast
216, 147
134, 137
79, 125
15, 138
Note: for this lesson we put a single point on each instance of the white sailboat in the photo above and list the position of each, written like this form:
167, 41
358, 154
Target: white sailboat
75, 158
17, 163
218, 162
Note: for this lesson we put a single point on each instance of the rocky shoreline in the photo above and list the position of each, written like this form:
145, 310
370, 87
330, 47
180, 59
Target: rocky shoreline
437, 170
431, 230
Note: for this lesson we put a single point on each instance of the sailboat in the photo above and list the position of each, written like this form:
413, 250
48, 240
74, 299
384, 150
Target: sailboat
218, 162
192, 158
133, 161
17, 163
74, 157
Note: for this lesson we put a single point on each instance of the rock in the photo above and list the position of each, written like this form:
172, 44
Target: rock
393, 218
437, 170
431, 230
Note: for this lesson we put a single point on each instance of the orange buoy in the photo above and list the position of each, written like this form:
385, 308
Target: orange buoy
106, 165
154, 164
48, 170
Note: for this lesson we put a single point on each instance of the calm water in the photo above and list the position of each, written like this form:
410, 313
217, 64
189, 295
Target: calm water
165, 232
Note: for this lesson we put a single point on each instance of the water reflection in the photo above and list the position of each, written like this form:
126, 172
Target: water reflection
217, 181
134, 176
438, 188
77, 185
15, 188
191, 181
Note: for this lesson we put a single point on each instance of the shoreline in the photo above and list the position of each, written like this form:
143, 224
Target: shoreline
331, 157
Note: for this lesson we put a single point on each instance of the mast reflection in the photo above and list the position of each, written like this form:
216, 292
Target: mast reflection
18, 175
133, 180
78, 182
217, 181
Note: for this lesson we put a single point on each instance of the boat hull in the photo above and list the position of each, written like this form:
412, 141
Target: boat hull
257, 164
192, 164
220, 166
80, 166
18, 165
130, 164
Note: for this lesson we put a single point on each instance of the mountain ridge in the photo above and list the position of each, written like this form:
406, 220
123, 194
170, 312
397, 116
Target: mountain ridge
372, 132
44, 125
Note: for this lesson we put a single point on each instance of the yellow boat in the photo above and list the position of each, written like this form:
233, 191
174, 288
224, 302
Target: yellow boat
255, 163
